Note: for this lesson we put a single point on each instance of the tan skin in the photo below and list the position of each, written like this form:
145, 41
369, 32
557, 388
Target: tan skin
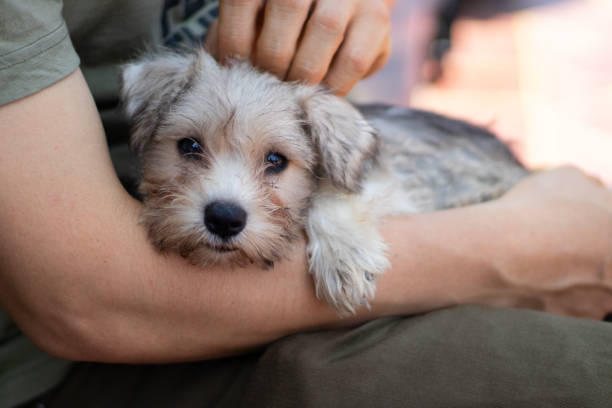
80, 277
336, 42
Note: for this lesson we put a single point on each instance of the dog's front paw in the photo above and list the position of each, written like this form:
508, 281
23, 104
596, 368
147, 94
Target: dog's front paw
345, 274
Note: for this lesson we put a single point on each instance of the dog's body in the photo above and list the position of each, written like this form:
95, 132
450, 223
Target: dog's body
426, 162
237, 164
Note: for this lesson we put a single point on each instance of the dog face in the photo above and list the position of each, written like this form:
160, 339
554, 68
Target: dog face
231, 157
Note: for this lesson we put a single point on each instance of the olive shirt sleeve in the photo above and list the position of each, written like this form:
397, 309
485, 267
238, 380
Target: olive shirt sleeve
35, 49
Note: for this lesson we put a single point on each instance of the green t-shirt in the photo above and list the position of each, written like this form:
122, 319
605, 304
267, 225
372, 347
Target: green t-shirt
43, 41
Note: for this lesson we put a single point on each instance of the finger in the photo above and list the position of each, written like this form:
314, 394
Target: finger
595, 179
382, 58
365, 40
323, 35
283, 21
237, 28
212, 36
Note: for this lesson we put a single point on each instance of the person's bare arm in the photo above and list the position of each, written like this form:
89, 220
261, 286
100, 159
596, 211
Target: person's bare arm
79, 276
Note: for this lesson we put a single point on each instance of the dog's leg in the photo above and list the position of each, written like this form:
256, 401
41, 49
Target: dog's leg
346, 251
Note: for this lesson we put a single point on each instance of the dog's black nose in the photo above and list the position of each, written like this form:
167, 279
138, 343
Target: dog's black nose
224, 219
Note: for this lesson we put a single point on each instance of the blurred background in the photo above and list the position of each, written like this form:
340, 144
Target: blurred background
536, 72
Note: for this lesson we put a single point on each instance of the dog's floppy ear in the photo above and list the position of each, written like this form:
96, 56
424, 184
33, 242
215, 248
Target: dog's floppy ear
347, 144
149, 88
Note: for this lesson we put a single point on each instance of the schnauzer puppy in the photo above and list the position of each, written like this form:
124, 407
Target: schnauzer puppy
236, 164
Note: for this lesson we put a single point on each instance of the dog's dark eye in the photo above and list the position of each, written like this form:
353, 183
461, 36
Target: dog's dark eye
189, 147
276, 162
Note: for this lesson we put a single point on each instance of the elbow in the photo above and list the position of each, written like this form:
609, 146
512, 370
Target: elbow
70, 333
60, 340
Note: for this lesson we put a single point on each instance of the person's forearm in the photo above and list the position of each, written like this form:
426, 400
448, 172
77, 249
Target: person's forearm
440, 259
158, 308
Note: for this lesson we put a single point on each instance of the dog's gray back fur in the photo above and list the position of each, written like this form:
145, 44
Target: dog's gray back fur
425, 162
442, 162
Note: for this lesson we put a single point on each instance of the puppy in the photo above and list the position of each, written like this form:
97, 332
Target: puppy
236, 165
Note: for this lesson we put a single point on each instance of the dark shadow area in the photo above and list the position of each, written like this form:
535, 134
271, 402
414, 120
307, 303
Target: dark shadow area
126, 165
483, 9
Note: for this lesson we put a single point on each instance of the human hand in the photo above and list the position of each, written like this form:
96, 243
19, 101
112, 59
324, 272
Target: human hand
337, 42
556, 255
